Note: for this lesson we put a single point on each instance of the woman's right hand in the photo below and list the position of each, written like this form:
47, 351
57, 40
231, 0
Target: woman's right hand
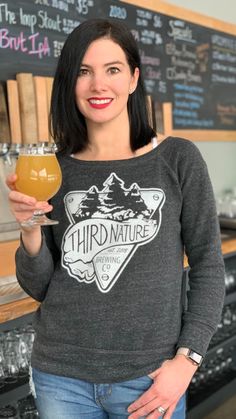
22, 206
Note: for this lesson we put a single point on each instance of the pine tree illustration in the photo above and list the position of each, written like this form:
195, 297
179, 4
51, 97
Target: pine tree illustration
114, 195
89, 204
136, 202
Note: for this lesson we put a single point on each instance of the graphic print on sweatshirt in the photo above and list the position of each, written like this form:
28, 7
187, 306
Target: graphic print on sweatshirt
106, 228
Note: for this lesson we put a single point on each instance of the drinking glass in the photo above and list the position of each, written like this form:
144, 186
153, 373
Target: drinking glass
38, 175
11, 368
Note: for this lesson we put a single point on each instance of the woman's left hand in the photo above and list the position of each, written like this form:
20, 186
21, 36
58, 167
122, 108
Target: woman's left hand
170, 382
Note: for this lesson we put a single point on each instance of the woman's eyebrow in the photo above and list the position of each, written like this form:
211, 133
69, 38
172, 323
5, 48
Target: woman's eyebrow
105, 65
114, 62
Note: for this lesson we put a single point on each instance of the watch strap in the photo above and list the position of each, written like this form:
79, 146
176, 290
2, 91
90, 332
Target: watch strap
192, 356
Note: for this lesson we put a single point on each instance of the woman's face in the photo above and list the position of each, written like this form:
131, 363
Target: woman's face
104, 83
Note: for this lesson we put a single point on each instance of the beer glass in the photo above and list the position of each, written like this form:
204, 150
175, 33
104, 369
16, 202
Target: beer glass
38, 175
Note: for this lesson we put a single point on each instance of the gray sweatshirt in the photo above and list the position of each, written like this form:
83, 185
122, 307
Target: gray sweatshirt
109, 275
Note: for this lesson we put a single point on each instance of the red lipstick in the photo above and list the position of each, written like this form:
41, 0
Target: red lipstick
99, 103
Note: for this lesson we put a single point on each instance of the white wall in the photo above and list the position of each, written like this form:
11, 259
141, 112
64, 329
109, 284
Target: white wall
224, 10
220, 156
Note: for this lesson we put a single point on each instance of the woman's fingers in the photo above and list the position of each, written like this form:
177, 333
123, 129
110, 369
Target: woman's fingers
23, 206
166, 414
150, 410
25, 201
20, 198
10, 181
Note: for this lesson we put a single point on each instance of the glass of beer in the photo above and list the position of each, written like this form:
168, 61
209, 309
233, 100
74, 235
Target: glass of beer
38, 175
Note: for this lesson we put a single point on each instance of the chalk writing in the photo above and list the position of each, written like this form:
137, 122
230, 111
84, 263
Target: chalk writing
141, 22
223, 41
157, 21
202, 123
118, 12
180, 31
173, 73
57, 47
6, 15
83, 6
68, 25
26, 44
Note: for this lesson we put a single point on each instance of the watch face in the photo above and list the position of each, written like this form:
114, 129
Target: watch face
195, 357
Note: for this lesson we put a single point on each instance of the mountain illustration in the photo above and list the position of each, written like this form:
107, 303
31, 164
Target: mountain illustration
106, 227
113, 202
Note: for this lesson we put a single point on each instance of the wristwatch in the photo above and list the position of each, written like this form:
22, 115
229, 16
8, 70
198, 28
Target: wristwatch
192, 356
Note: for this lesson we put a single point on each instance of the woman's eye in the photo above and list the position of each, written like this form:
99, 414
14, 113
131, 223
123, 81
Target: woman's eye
83, 72
113, 70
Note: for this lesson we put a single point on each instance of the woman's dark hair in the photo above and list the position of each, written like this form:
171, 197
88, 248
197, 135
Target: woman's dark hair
68, 124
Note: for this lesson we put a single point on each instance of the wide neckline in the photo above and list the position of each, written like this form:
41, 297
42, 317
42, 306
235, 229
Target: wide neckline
131, 160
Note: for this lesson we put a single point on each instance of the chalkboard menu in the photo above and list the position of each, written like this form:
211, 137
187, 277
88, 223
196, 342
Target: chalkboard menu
192, 66
200, 67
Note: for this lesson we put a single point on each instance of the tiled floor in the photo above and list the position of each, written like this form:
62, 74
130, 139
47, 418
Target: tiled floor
225, 411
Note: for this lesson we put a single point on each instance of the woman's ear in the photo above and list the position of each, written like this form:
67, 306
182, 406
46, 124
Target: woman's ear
134, 81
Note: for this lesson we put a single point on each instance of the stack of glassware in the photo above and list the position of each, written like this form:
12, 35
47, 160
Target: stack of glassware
15, 352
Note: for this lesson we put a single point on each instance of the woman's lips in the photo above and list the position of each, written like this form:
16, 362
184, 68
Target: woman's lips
99, 103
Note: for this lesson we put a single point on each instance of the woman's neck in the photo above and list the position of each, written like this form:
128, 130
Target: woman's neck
107, 142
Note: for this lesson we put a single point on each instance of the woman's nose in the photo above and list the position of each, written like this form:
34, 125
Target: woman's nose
98, 82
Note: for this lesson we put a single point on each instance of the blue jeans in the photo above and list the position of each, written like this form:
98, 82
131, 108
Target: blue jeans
69, 398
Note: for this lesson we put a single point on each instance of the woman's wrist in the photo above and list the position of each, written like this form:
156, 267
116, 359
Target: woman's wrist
31, 239
186, 363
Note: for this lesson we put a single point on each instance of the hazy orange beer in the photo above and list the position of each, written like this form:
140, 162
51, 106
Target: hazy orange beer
38, 175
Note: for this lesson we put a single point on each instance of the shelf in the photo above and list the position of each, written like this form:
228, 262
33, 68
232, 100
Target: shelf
213, 401
228, 246
16, 309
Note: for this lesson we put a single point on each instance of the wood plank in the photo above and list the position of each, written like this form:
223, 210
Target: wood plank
41, 108
150, 111
207, 135
167, 118
14, 111
16, 309
27, 108
49, 84
4, 122
7, 257
228, 246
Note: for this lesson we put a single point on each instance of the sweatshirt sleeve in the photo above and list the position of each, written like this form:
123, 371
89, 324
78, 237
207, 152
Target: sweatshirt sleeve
34, 272
202, 243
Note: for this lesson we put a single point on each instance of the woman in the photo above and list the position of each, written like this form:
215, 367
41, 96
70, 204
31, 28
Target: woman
112, 337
